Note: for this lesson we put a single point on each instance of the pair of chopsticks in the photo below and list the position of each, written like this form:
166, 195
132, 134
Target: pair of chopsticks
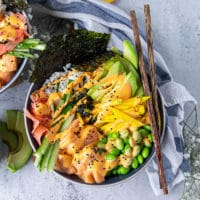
152, 104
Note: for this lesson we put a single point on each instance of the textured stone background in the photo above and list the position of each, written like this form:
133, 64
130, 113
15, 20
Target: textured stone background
176, 31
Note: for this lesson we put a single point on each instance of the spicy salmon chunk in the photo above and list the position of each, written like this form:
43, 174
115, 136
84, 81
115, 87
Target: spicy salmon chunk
8, 63
5, 77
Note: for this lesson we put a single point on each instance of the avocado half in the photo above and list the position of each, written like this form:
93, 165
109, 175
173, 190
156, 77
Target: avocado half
13, 134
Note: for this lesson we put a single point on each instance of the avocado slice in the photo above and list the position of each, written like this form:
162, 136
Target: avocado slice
140, 91
11, 118
115, 69
130, 53
17, 159
8, 137
132, 80
128, 67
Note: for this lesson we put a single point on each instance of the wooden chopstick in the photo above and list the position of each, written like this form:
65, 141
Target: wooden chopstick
149, 103
151, 65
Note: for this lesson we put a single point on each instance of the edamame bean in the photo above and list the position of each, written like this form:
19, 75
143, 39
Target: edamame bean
124, 134
135, 163
127, 150
122, 170
126, 140
115, 151
110, 157
119, 144
143, 131
140, 159
131, 141
147, 127
113, 136
136, 150
145, 152
146, 142
150, 137
127, 147
102, 142
137, 136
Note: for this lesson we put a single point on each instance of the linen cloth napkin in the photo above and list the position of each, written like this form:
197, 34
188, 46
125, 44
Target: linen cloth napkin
102, 17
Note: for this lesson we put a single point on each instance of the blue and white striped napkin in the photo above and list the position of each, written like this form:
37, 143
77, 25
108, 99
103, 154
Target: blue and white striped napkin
102, 17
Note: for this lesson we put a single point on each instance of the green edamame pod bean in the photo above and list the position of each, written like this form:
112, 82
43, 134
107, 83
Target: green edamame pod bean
131, 141
102, 142
137, 137
127, 150
145, 152
146, 142
127, 147
143, 131
124, 134
147, 127
115, 151
119, 144
126, 140
150, 137
113, 136
140, 159
136, 150
110, 157
123, 170
135, 163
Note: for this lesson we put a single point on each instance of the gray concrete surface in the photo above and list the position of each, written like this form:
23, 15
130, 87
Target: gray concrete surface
176, 31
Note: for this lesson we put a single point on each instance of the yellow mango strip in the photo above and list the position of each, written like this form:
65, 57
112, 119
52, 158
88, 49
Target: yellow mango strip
132, 113
108, 118
110, 126
135, 101
102, 121
120, 126
109, 103
121, 115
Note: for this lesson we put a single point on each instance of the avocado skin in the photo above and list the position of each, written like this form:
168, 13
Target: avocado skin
17, 159
8, 137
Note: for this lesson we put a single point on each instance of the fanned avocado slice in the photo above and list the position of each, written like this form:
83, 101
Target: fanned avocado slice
8, 137
130, 53
17, 159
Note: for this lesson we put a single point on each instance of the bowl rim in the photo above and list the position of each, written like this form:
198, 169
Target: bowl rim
101, 185
22, 64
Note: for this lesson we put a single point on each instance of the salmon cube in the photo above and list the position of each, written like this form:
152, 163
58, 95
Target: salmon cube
8, 63
5, 77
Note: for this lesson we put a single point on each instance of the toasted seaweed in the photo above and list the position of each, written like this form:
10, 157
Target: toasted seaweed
15, 4
78, 48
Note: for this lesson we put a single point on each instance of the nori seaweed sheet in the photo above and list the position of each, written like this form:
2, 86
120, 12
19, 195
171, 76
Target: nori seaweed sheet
15, 4
80, 48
